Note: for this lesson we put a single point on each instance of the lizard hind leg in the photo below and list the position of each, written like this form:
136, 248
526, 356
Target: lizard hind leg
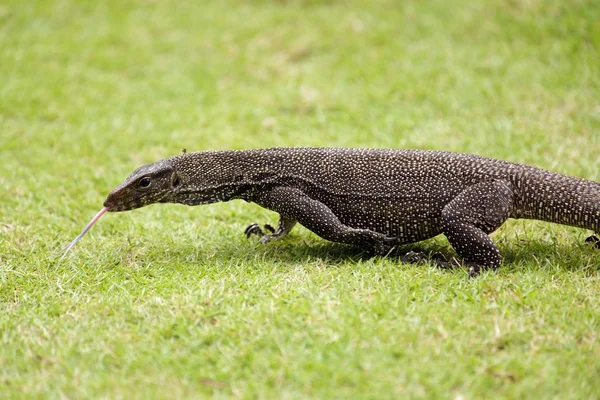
476, 212
284, 226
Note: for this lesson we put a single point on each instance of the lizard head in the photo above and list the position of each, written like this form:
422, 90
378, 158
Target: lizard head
149, 184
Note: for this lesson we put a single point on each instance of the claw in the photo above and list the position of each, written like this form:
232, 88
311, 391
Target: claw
594, 240
253, 229
412, 257
436, 259
383, 246
269, 228
440, 261
474, 271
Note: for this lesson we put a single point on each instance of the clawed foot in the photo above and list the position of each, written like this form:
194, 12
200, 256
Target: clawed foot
474, 270
255, 229
436, 259
382, 246
594, 240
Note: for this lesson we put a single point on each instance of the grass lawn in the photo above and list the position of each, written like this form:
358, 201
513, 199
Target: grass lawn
174, 302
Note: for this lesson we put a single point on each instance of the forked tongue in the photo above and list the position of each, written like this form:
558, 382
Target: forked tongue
83, 232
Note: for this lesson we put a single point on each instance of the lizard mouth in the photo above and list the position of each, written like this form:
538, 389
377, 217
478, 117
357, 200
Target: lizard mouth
115, 202
110, 206
114, 208
122, 206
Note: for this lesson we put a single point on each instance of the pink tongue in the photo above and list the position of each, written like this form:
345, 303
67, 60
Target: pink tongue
87, 228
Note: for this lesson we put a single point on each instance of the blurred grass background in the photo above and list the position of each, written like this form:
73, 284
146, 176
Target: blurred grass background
172, 301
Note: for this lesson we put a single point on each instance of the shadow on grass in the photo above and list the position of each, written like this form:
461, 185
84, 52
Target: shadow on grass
293, 250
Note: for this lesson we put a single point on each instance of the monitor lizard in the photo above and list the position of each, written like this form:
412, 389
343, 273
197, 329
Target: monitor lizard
371, 198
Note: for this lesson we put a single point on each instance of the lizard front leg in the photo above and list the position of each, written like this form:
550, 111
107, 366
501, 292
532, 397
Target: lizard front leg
294, 205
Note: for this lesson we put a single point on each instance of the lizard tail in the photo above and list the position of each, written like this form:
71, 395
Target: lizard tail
561, 199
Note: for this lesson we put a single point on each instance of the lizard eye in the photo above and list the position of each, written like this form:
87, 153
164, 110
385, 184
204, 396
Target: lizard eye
144, 182
175, 181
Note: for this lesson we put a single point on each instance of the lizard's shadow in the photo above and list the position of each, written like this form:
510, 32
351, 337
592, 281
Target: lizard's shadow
542, 254
287, 251
575, 256
294, 250
337, 254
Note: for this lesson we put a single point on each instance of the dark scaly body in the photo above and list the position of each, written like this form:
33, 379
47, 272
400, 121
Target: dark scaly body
372, 198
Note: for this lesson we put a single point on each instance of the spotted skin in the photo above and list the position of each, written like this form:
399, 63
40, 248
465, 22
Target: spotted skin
371, 198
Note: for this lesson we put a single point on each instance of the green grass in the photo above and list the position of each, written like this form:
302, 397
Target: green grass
172, 302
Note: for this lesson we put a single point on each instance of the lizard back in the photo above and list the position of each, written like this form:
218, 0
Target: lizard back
400, 193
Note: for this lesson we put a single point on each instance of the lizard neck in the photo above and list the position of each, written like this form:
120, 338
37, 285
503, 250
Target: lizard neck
217, 176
